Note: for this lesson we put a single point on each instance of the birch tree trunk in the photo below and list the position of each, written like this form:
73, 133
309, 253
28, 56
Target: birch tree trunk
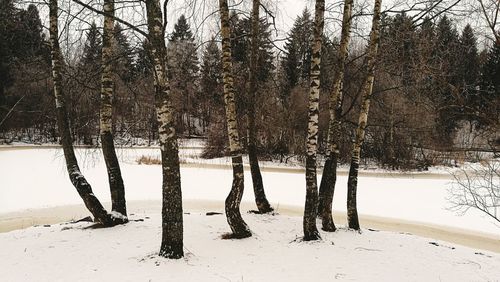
172, 221
329, 177
310, 209
106, 113
77, 179
238, 226
366, 91
258, 186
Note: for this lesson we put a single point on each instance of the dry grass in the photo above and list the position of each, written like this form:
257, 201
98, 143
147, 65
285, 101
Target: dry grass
148, 160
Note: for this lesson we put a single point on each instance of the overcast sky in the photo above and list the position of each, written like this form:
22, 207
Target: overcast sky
203, 16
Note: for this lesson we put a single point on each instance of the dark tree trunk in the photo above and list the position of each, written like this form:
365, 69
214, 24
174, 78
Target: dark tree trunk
311, 205
329, 178
172, 221
366, 92
352, 187
326, 191
238, 226
258, 186
77, 179
233, 200
310, 208
106, 114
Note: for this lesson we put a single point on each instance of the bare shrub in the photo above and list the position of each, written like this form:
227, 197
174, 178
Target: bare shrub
149, 160
477, 187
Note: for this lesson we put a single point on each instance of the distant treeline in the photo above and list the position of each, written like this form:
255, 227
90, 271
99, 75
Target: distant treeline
434, 88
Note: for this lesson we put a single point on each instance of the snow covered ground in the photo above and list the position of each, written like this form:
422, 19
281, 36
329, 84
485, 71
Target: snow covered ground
36, 178
68, 252
32, 178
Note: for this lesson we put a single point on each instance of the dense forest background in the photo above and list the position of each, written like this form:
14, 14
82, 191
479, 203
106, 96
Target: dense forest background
436, 96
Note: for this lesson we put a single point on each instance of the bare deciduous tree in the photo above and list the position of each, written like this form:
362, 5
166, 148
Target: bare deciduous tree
366, 88
477, 187
258, 186
106, 113
329, 177
310, 209
77, 179
172, 221
238, 226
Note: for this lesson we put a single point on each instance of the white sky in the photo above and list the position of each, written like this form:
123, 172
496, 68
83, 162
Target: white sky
204, 20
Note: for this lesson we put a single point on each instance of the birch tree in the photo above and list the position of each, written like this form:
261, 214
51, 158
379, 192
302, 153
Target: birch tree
106, 113
366, 92
172, 221
310, 209
329, 177
232, 205
77, 179
258, 185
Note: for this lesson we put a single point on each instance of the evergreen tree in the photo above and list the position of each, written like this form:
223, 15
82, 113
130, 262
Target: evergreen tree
211, 80
84, 97
297, 60
7, 24
488, 100
211, 100
468, 72
92, 49
183, 68
24, 56
123, 62
182, 31
446, 61
31, 34
241, 44
143, 65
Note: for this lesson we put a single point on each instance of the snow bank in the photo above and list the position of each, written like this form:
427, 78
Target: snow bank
69, 252
36, 178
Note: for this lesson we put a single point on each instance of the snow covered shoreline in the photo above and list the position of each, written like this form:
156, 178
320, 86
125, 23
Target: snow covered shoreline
63, 214
70, 252
189, 156
408, 234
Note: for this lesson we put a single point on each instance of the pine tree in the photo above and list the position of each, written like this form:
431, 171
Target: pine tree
7, 23
143, 66
446, 60
211, 82
92, 50
84, 119
488, 100
297, 60
468, 73
182, 30
241, 34
123, 62
183, 68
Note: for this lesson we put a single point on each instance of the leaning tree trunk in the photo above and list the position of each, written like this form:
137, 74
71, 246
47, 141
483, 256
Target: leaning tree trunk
329, 177
238, 226
310, 209
366, 92
258, 186
77, 179
172, 221
106, 113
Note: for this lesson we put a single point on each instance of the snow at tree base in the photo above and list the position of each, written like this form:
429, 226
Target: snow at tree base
387, 201
249, 141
